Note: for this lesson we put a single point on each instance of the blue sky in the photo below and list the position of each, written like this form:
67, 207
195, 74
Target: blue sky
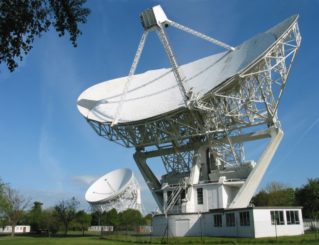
47, 150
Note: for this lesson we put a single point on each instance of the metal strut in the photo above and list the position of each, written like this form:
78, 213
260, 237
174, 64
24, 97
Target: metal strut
198, 34
129, 77
155, 19
169, 51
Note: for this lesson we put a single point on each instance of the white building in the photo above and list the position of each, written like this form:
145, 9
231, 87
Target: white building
100, 228
245, 222
18, 229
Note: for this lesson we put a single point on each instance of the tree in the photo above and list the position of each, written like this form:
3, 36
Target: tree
65, 212
110, 217
131, 218
83, 219
96, 218
2, 203
42, 221
50, 221
275, 186
113, 217
21, 21
275, 194
148, 219
35, 216
308, 197
12, 205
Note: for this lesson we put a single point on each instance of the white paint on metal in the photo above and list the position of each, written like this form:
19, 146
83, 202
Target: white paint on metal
200, 35
129, 77
198, 117
117, 189
247, 191
156, 92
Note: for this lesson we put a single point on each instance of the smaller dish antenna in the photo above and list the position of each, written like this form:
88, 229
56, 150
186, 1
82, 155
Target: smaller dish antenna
118, 189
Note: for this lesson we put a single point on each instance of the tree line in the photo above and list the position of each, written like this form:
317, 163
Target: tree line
278, 194
64, 216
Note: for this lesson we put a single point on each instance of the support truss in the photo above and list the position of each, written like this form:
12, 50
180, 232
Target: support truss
246, 101
128, 198
179, 162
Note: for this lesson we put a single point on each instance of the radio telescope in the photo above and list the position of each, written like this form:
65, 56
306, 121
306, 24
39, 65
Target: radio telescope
199, 117
117, 189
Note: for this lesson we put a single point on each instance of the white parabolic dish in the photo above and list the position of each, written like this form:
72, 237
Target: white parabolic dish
155, 93
109, 186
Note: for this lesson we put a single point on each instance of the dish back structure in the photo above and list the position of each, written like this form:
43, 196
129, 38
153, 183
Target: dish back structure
198, 117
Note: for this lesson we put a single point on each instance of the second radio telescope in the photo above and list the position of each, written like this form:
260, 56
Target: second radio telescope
117, 189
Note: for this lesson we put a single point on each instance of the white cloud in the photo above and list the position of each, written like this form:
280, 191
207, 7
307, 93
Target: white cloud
46, 158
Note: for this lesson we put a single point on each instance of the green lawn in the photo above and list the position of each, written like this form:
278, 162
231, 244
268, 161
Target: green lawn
309, 238
54, 240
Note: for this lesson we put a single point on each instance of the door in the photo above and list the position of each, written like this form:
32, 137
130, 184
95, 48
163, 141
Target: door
182, 227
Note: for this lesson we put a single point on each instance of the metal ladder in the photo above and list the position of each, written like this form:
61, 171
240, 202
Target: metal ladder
174, 196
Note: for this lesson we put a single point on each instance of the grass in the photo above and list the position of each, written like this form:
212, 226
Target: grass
309, 238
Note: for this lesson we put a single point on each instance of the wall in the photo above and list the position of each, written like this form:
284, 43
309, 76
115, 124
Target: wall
264, 228
197, 224
214, 197
17, 229
100, 228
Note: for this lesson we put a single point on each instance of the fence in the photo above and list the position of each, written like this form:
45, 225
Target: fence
311, 224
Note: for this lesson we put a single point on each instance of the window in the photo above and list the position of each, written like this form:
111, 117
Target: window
244, 218
183, 194
218, 220
199, 195
292, 217
277, 217
230, 219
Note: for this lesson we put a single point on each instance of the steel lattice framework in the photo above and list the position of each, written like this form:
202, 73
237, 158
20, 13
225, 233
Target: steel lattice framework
124, 200
248, 100
224, 101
